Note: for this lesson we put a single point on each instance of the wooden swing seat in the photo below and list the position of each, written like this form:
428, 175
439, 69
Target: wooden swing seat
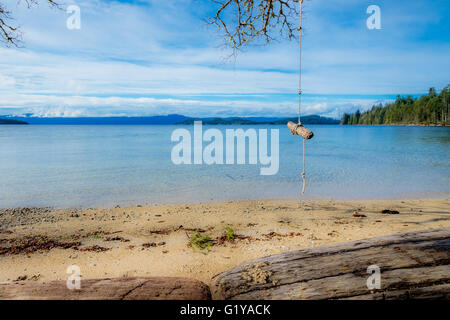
300, 130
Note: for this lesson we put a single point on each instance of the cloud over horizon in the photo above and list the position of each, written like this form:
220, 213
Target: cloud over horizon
159, 57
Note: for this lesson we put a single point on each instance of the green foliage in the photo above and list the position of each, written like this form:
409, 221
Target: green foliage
230, 234
432, 109
201, 242
11, 121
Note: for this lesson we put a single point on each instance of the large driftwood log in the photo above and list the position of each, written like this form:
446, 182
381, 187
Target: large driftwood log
110, 289
413, 265
300, 130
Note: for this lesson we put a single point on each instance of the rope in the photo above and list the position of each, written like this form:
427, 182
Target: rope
300, 66
300, 99
304, 168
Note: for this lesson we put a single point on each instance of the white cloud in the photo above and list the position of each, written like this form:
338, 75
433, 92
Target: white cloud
75, 106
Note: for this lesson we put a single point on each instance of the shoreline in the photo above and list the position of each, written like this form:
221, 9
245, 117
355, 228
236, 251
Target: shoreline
40, 244
132, 203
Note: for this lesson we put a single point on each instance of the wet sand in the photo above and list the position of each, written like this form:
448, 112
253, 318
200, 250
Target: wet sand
40, 244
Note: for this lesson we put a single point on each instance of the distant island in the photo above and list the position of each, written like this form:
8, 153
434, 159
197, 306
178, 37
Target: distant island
260, 121
429, 110
173, 119
11, 121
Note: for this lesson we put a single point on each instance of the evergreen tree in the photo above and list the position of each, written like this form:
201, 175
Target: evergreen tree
432, 109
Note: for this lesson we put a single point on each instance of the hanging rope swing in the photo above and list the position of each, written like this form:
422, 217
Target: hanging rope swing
299, 129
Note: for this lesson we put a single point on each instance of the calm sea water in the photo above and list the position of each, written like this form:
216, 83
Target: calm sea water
73, 166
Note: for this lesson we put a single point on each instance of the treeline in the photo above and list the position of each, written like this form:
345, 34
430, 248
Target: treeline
432, 109
11, 121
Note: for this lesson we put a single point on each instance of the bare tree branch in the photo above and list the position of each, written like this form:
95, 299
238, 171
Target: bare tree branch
252, 21
10, 34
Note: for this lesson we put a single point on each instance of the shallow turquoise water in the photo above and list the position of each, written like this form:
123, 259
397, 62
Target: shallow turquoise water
72, 166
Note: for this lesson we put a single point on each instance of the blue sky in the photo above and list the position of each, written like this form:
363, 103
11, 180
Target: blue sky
155, 57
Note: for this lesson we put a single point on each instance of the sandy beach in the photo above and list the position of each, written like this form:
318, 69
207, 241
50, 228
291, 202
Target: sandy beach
40, 244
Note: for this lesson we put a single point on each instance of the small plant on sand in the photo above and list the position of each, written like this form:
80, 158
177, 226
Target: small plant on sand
230, 234
97, 236
200, 241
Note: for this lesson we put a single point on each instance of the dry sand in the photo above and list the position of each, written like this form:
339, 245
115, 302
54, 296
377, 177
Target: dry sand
39, 245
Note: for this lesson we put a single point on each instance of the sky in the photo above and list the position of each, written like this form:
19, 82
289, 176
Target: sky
159, 57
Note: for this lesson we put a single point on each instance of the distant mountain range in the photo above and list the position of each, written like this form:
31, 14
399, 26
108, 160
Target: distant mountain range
270, 121
173, 119
155, 120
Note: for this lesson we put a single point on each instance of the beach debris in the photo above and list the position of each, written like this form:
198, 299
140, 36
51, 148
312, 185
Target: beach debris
36, 243
285, 220
21, 278
230, 236
221, 240
389, 212
160, 232
312, 237
35, 277
278, 235
199, 230
359, 215
98, 234
153, 245
95, 248
5, 241
117, 239
333, 233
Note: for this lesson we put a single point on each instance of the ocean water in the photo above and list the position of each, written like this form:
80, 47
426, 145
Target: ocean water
90, 166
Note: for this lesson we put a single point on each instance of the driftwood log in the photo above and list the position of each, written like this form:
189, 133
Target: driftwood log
110, 289
413, 265
300, 130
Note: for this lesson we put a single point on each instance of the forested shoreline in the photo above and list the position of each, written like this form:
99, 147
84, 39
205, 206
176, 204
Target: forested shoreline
428, 110
11, 122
